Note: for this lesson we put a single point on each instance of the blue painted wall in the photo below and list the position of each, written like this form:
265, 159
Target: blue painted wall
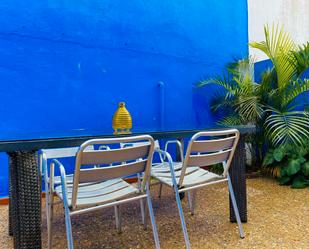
65, 64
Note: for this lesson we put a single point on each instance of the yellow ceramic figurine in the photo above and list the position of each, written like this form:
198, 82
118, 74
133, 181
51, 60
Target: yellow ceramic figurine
122, 120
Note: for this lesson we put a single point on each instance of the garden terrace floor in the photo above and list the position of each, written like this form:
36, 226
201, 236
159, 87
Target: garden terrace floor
278, 218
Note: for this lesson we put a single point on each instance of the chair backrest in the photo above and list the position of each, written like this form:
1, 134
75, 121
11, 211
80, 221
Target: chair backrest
125, 161
210, 148
123, 145
45, 154
156, 146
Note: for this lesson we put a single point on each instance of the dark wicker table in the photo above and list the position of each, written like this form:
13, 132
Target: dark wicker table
25, 182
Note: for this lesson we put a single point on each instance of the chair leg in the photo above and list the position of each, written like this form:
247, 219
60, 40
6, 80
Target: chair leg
241, 231
46, 199
182, 218
191, 201
68, 226
118, 217
50, 214
143, 212
152, 218
160, 190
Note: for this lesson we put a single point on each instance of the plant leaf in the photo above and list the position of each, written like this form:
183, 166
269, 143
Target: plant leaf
293, 167
297, 88
269, 158
279, 154
278, 46
287, 127
301, 59
305, 169
300, 182
284, 180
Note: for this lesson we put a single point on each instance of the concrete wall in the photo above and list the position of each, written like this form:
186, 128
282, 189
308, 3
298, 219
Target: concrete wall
64, 65
293, 14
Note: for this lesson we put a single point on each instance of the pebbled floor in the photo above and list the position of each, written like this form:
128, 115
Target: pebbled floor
278, 218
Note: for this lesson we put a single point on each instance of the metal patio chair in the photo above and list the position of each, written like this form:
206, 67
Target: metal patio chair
102, 186
58, 153
204, 149
140, 176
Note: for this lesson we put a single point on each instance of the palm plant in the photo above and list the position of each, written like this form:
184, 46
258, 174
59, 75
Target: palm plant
273, 104
286, 120
239, 102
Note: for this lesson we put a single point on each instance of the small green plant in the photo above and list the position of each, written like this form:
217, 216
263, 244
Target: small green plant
289, 165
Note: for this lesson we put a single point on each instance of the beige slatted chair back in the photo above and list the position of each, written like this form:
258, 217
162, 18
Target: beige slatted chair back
118, 163
210, 148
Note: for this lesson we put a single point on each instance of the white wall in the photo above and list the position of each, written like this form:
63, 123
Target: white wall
292, 14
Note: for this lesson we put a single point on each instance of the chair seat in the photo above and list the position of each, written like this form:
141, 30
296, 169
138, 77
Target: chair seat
57, 179
100, 192
193, 176
69, 179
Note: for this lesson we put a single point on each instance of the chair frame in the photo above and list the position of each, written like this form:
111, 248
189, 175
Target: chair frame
44, 155
179, 188
162, 157
179, 145
74, 209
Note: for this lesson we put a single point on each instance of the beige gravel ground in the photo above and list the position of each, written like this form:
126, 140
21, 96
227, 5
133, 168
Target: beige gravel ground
278, 218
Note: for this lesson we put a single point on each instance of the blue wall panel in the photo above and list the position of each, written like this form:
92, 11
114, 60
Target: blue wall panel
65, 65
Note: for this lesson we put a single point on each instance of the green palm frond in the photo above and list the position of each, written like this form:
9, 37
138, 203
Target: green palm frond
268, 79
278, 46
276, 42
250, 108
285, 69
301, 58
268, 83
287, 127
242, 69
297, 88
222, 101
218, 81
240, 96
230, 87
231, 120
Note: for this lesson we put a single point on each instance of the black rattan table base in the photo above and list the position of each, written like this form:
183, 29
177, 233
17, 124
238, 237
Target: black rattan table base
12, 179
25, 200
237, 173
